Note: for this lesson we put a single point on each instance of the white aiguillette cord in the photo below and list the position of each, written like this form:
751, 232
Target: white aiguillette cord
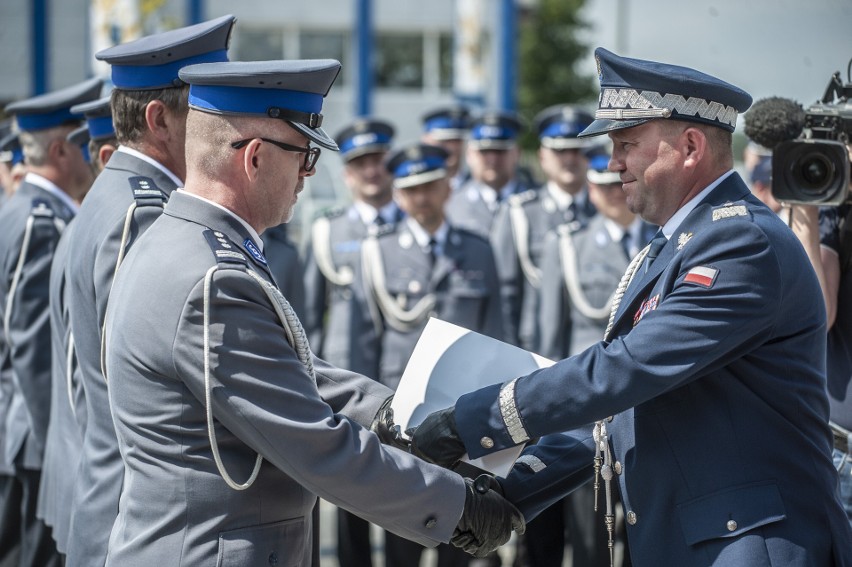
603, 453
295, 336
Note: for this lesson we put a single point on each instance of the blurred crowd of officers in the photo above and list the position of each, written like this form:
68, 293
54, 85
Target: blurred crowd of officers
449, 226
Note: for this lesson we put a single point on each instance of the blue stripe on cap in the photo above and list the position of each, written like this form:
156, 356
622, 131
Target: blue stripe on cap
363, 139
159, 76
248, 100
491, 132
443, 123
599, 162
100, 127
414, 167
562, 130
86, 155
17, 156
46, 120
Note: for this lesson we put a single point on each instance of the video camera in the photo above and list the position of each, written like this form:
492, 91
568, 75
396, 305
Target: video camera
815, 168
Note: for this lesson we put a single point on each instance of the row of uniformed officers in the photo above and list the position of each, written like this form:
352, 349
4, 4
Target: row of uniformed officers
449, 227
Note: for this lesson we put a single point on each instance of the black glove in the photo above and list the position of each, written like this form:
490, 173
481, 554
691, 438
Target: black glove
384, 427
488, 518
436, 439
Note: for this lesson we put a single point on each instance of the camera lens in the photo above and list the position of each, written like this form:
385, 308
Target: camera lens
813, 171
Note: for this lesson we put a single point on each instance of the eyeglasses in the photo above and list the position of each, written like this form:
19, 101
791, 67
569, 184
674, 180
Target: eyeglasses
312, 154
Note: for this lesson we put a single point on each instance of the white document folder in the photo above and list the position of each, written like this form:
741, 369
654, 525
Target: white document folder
449, 361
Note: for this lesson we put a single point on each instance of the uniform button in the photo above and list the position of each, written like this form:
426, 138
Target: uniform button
631, 518
431, 522
273, 558
732, 525
486, 442
617, 467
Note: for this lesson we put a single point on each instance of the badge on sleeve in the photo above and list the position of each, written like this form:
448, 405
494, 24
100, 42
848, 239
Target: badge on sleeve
701, 275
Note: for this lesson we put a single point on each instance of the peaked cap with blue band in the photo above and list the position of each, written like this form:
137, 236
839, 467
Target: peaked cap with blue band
599, 173
559, 125
286, 90
495, 130
364, 136
98, 116
153, 62
447, 123
417, 164
54, 108
10, 149
634, 91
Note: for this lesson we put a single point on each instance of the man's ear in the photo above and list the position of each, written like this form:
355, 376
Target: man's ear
694, 146
155, 118
251, 160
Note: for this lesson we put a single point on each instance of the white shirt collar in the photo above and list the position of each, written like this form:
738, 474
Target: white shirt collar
563, 198
369, 213
673, 223
422, 237
152, 161
252, 232
489, 195
52, 188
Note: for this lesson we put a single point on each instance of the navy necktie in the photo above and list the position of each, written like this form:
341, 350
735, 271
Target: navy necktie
657, 244
625, 244
433, 245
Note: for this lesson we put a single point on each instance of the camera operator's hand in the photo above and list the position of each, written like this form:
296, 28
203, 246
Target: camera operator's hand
388, 432
488, 518
437, 440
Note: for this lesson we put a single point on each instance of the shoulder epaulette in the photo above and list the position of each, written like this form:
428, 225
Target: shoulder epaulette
330, 212
730, 210
223, 249
42, 208
468, 233
520, 198
144, 189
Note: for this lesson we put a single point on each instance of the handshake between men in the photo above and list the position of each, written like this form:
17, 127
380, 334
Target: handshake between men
488, 519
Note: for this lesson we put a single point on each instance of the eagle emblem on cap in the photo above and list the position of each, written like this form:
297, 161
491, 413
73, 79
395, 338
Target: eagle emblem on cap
413, 153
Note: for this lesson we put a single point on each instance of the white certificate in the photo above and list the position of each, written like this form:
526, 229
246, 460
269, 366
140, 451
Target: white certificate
449, 361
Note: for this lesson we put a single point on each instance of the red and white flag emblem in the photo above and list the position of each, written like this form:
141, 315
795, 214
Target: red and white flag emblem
701, 275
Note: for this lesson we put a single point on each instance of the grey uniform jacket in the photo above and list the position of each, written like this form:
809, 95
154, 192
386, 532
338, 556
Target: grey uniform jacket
565, 326
332, 331
466, 209
517, 238
91, 264
282, 256
67, 408
176, 509
26, 349
463, 282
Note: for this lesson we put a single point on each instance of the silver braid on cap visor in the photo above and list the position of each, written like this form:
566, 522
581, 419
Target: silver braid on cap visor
630, 104
509, 412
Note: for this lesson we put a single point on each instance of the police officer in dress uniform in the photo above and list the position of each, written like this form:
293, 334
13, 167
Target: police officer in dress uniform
149, 113
492, 157
525, 218
224, 403
448, 127
333, 252
31, 223
67, 406
709, 387
335, 241
422, 267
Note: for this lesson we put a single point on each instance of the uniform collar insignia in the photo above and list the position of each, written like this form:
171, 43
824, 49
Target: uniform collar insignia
682, 239
255, 252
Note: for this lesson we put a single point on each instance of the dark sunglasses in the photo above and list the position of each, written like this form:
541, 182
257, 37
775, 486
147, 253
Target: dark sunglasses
312, 154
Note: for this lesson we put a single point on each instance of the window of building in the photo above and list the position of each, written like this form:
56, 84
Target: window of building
327, 45
259, 45
399, 61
